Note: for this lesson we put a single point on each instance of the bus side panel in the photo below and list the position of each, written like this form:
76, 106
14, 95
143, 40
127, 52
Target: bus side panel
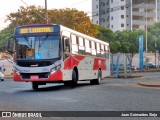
99, 63
69, 64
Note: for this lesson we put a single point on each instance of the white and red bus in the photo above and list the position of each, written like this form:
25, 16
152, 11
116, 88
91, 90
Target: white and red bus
53, 53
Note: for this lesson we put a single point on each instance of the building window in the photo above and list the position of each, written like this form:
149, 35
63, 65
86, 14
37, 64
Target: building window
122, 25
103, 4
96, 6
97, 22
103, 20
112, 26
122, 7
103, 12
111, 9
122, 16
111, 1
107, 3
107, 10
112, 18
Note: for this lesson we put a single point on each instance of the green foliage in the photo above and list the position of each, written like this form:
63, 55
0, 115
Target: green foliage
4, 35
105, 34
154, 37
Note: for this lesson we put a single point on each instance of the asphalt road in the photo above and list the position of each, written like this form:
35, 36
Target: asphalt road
111, 95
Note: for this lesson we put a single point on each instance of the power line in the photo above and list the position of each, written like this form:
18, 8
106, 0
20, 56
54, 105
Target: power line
34, 11
76, 3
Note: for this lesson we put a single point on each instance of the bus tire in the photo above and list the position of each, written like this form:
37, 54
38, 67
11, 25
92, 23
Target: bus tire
98, 80
92, 82
34, 85
74, 79
67, 83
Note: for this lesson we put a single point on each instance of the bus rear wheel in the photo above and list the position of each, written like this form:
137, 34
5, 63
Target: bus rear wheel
34, 85
98, 80
74, 79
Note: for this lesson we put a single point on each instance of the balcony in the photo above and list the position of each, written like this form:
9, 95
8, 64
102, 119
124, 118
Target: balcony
149, 14
142, 22
149, 6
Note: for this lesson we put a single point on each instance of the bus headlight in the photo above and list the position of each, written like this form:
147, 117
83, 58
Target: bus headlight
53, 70
17, 72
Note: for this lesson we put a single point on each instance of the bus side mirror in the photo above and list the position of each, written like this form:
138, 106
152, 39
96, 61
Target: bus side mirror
10, 43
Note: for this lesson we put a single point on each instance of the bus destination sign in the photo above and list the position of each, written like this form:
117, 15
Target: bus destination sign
35, 30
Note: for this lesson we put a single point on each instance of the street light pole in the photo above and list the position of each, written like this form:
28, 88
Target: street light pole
146, 28
46, 13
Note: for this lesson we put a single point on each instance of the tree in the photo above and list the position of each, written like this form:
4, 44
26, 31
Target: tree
105, 34
154, 37
4, 35
71, 18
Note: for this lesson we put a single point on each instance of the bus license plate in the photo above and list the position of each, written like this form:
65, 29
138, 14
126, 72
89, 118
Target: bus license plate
34, 77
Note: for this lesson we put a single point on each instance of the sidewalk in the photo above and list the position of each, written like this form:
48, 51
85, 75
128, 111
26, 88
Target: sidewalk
152, 83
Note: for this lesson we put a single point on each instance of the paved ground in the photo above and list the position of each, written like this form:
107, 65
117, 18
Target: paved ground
147, 79
114, 94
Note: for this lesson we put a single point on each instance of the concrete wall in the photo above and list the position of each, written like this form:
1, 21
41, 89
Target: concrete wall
151, 56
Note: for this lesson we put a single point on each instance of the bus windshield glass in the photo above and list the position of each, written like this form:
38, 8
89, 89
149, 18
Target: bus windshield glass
37, 47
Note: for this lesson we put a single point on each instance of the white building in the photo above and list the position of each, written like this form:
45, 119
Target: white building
125, 14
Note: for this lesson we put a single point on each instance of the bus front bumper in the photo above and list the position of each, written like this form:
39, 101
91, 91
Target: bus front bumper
53, 77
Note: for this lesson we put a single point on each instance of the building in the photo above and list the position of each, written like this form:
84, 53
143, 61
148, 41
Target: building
125, 14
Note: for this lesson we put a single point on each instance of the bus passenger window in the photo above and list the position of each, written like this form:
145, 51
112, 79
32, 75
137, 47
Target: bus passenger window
107, 52
102, 51
98, 50
74, 44
88, 49
81, 46
93, 49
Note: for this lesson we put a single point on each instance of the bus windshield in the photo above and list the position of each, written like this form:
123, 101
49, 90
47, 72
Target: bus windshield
37, 47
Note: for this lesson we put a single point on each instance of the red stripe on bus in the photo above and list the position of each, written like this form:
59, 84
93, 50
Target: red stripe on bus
99, 63
72, 61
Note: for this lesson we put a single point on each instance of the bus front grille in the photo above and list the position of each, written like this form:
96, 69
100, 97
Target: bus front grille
40, 75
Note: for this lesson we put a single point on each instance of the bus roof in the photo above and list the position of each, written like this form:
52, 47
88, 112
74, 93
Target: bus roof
68, 30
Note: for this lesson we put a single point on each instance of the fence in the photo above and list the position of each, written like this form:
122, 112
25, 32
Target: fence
121, 65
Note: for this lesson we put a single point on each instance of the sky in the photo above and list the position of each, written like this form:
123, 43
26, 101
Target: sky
10, 6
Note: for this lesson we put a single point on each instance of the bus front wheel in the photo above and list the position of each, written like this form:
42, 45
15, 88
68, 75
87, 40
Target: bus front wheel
34, 85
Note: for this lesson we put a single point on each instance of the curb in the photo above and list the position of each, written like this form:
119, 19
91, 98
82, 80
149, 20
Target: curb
148, 85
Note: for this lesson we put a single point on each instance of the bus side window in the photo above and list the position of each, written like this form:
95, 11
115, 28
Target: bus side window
107, 51
103, 51
81, 46
74, 46
66, 47
98, 50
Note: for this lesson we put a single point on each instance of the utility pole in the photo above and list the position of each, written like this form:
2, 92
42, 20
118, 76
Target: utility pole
146, 26
46, 13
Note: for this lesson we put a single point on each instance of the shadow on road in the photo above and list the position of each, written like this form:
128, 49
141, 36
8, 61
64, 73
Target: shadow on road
49, 88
